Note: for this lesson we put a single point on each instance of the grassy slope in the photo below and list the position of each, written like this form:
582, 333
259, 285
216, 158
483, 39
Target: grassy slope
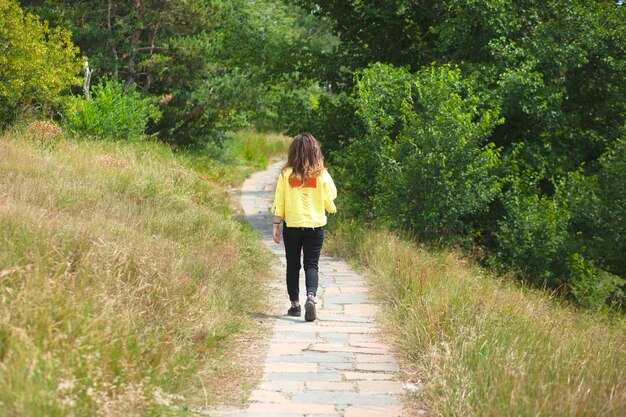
123, 276
483, 346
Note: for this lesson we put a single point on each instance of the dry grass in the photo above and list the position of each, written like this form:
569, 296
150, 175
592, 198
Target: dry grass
482, 345
247, 151
123, 278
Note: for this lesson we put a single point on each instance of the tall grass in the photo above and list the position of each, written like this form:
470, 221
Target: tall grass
483, 345
243, 153
123, 277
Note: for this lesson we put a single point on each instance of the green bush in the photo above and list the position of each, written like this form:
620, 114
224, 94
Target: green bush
111, 113
611, 236
424, 163
593, 287
37, 63
598, 209
568, 240
333, 120
533, 236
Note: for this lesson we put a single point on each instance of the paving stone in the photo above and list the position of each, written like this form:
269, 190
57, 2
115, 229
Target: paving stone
287, 348
333, 307
366, 376
302, 376
382, 367
380, 387
368, 310
268, 397
348, 281
347, 328
356, 339
321, 415
290, 367
361, 357
314, 357
336, 366
309, 408
330, 337
295, 337
264, 414
375, 345
333, 347
347, 299
338, 280
336, 265
354, 290
285, 327
373, 411
343, 398
339, 316
286, 387
330, 386
294, 322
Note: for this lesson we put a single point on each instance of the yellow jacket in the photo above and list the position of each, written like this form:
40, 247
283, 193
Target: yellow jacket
304, 205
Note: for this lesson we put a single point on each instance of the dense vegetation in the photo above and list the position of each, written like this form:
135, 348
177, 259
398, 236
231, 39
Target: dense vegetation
500, 125
209, 66
479, 344
36, 64
496, 125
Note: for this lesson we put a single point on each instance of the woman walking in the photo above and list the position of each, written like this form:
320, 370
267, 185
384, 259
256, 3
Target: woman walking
304, 193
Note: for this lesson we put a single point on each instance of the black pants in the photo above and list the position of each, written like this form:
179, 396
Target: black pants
300, 240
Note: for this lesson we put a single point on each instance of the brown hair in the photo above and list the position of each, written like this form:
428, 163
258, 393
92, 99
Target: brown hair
305, 157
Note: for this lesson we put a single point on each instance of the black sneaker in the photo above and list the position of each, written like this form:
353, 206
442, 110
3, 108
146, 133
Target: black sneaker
295, 311
309, 309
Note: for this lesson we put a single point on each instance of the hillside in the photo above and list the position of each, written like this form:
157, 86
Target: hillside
475, 343
124, 276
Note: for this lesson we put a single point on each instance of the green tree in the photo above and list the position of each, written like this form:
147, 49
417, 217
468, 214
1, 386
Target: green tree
425, 163
555, 67
555, 72
213, 65
37, 63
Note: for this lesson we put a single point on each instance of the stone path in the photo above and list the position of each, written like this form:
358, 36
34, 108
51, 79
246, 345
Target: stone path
335, 366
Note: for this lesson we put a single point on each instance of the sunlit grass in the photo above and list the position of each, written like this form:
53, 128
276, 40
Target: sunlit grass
123, 277
243, 153
481, 345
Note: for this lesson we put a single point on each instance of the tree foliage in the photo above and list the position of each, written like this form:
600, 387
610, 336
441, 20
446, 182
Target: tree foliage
554, 72
555, 67
424, 163
214, 65
36, 62
110, 113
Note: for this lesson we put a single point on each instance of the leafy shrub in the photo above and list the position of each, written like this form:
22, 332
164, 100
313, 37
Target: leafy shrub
598, 228
333, 120
611, 236
567, 240
36, 63
593, 287
111, 113
533, 236
424, 163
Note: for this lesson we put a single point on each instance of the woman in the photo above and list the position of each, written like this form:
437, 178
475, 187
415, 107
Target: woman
304, 192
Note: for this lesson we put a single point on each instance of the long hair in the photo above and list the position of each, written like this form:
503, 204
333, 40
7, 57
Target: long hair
305, 157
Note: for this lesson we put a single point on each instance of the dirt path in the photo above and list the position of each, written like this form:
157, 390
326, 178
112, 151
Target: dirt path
335, 366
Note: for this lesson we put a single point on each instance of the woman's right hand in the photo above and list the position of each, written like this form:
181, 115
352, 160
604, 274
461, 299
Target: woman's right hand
276, 233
